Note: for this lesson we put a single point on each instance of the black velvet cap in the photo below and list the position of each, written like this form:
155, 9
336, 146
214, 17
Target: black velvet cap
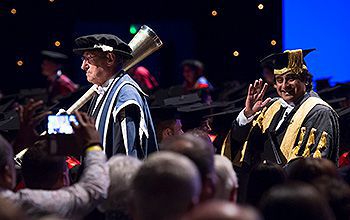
104, 42
279, 61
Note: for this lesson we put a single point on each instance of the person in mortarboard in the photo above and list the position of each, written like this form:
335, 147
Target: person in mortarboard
296, 124
52, 68
120, 107
167, 122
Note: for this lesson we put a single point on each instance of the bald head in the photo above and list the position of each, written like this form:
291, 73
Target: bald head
165, 187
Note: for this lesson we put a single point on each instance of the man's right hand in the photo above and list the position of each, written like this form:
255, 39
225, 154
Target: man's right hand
85, 133
254, 101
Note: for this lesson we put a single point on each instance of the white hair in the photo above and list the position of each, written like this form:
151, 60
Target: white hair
122, 169
227, 178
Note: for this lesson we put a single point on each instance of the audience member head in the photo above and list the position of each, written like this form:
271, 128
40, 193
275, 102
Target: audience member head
7, 165
168, 128
337, 193
43, 171
200, 133
221, 210
202, 155
261, 179
121, 171
167, 122
308, 169
295, 201
227, 182
166, 186
8, 211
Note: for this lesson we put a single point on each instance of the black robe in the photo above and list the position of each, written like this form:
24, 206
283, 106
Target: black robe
267, 146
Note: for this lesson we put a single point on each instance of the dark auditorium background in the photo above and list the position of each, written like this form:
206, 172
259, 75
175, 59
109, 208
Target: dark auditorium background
230, 37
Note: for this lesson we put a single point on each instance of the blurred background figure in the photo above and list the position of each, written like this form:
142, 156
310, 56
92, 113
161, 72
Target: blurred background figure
194, 79
295, 201
144, 78
222, 210
269, 78
261, 179
59, 85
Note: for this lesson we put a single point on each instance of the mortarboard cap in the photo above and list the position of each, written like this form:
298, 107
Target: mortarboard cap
104, 42
163, 113
54, 56
289, 60
183, 100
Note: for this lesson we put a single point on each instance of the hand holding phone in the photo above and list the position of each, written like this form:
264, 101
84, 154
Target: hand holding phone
85, 132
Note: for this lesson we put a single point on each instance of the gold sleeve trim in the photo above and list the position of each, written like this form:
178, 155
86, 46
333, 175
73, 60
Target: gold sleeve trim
295, 124
310, 142
321, 145
296, 149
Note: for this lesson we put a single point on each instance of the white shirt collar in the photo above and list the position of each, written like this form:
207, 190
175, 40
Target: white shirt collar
104, 87
287, 105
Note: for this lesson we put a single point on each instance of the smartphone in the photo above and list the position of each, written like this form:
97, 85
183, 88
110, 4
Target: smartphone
61, 137
60, 124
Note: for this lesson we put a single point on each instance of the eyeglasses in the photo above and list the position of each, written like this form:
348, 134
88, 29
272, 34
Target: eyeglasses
88, 58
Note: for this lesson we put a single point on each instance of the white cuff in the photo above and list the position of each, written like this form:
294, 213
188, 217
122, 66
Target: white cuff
242, 119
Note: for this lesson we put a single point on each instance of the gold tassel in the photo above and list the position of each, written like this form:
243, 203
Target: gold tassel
296, 149
295, 62
321, 145
310, 142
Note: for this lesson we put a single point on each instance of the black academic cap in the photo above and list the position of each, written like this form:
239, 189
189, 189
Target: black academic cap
54, 56
192, 115
104, 42
163, 113
183, 100
290, 59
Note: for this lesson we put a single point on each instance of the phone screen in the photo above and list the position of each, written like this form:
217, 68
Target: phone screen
60, 124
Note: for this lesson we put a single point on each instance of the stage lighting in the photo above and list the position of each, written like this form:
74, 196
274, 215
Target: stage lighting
214, 13
13, 11
273, 42
133, 29
19, 63
260, 6
57, 43
236, 53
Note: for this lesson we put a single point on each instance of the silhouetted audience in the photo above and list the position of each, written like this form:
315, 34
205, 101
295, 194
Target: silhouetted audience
43, 171
337, 193
295, 201
222, 210
262, 178
308, 169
